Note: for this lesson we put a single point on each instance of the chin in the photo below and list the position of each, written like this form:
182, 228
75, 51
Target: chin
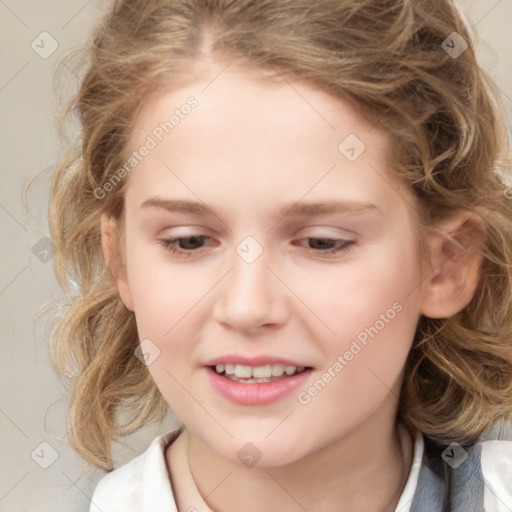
252, 449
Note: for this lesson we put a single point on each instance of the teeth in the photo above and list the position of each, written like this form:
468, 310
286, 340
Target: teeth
277, 370
242, 371
262, 371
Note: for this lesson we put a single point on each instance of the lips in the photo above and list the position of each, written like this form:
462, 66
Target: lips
255, 381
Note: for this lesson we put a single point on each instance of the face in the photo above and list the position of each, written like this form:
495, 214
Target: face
260, 232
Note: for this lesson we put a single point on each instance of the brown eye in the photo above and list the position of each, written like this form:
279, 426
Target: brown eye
184, 244
330, 245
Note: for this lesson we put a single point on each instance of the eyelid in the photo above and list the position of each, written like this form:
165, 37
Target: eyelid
341, 245
321, 227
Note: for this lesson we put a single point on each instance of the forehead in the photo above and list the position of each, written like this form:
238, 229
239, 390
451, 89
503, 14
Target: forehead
266, 136
229, 93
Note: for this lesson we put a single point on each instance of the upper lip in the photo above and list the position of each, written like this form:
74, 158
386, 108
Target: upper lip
261, 360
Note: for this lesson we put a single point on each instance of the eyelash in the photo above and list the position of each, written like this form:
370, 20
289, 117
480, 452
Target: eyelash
169, 245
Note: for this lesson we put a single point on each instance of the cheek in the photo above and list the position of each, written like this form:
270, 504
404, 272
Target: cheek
354, 295
162, 292
373, 312
168, 300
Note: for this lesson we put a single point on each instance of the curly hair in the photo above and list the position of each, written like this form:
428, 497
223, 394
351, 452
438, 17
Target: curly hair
387, 57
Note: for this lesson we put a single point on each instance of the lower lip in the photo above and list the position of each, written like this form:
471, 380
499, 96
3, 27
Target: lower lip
256, 393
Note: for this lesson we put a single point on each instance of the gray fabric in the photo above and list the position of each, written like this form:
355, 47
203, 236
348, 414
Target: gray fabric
448, 481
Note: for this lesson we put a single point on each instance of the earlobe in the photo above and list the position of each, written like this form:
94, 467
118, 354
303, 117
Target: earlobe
456, 266
110, 248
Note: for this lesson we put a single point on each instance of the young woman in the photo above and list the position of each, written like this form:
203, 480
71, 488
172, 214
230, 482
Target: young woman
289, 223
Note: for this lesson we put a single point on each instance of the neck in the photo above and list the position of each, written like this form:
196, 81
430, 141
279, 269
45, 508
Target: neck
365, 471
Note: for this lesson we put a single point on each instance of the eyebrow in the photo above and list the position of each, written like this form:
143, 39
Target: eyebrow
295, 208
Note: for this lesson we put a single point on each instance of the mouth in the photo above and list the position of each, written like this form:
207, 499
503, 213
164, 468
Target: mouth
256, 381
257, 374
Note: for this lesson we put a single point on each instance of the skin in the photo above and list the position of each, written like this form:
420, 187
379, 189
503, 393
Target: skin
245, 159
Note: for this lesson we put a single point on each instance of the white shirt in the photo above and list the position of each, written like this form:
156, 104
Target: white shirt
143, 484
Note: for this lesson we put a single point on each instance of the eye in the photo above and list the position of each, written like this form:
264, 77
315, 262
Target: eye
191, 244
331, 245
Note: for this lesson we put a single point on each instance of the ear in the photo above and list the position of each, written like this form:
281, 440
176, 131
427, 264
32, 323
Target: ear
456, 265
110, 248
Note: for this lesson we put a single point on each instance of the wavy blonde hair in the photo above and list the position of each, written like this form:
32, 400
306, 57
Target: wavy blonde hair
386, 57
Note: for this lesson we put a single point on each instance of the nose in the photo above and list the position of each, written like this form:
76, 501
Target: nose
251, 297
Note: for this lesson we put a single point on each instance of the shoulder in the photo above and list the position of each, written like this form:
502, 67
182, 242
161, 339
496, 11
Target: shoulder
468, 478
496, 462
120, 489
141, 484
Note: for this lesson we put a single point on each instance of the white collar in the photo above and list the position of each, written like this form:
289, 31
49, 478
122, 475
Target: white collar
143, 484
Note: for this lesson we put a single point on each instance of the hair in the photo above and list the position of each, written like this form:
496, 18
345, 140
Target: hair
386, 57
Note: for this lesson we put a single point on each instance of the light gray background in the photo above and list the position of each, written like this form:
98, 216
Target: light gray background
32, 400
